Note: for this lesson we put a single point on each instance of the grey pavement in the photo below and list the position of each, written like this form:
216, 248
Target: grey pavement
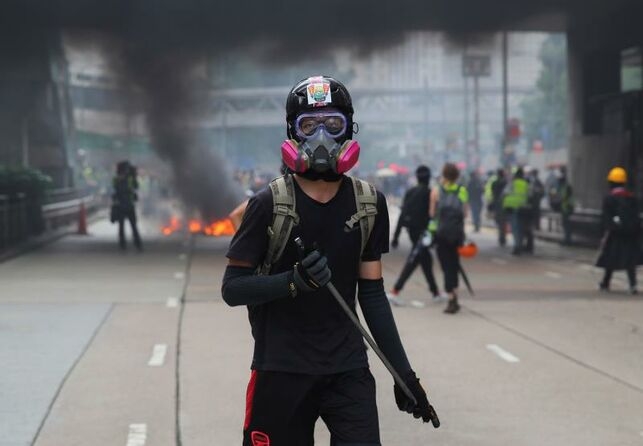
538, 356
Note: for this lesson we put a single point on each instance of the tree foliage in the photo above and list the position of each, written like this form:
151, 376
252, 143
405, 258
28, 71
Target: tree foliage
545, 112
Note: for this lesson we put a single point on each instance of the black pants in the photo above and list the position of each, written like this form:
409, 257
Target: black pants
450, 263
476, 211
419, 255
631, 276
128, 213
501, 223
282, 408
567, 227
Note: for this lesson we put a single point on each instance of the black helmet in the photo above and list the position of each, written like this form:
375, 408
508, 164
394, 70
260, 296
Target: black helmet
423, 174
302, 98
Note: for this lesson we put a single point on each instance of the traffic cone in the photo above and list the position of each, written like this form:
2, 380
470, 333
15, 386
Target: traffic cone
82, 220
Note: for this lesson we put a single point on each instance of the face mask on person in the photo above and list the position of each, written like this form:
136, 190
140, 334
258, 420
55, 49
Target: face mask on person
321, 152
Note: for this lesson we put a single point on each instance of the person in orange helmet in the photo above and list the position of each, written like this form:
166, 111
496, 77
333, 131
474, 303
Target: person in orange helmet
621, 231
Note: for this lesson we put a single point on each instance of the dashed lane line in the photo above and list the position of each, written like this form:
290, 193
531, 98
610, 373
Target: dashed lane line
179, 275
555, 351
498, 261
158, 355
503, 354
586, 267
137, 435
172, 302
553, 275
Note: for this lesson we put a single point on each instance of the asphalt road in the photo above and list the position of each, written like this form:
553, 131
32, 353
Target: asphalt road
98, 348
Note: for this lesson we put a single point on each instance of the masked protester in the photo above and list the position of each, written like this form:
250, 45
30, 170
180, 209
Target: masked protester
622, 230
414, 216
309, 359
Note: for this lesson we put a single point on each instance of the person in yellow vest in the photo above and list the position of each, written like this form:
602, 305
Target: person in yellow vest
515, 206
448, 208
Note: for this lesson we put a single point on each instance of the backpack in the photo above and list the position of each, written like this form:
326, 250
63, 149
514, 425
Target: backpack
285, 216
555, 199
415, 209
450, 213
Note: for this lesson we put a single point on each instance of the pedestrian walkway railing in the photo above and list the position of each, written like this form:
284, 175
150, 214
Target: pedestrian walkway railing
585, 225
67, 212
13, 219
21, 218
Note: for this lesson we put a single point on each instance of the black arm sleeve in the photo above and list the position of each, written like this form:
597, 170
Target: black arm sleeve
379, 318
241, 286
398, 228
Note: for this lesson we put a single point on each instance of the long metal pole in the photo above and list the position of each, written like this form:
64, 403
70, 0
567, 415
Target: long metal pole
24, 128
505, 92
396, 376
467, 137
476, 117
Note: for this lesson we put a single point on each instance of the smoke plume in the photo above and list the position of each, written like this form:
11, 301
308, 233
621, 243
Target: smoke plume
161, 41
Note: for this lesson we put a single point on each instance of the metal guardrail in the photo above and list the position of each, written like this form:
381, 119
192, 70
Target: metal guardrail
585, 223
13, 220
66, 212
20, 218
62, 194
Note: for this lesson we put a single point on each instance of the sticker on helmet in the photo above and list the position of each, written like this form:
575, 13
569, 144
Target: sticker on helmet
318, 92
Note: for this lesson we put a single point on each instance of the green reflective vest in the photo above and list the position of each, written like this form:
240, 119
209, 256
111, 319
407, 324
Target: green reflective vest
517, 194
488, 188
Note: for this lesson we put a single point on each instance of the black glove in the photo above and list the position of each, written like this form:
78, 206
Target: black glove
422, 409
394, 243
312, 272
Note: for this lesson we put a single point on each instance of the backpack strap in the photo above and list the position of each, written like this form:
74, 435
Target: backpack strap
284, 218
366, 205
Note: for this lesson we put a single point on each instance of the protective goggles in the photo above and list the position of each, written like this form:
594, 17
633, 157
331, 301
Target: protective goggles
308, 123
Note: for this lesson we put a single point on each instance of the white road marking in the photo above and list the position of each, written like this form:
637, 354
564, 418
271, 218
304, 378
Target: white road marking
182, 256
172, 302
586, 267
498, 261
179, 275
417, 304
502, 353
137, 435
553, 275
158, 355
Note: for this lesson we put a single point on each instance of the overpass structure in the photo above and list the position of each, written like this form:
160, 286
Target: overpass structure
264, 107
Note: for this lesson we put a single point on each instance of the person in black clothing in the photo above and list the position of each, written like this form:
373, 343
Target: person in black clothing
414, 216
531, 213
536, 195
621, 225
125, 184
475, 189
561, 199
497, 190
309, 359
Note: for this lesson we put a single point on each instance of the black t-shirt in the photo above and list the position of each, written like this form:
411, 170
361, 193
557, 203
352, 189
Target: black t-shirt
310, 333
415, 207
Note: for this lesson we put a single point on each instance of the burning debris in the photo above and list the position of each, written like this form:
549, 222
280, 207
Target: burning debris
216, 228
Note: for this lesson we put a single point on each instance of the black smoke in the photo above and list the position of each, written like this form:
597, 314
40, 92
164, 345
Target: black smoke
159, 42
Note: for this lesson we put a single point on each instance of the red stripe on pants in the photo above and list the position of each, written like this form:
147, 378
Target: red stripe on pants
250, 394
